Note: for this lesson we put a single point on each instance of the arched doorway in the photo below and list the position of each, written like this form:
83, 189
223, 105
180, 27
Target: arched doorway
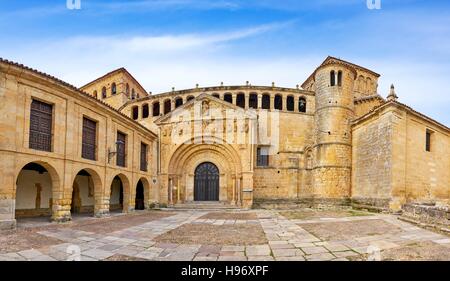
116, 198
33, 192
206, 182
139, 201
83, 194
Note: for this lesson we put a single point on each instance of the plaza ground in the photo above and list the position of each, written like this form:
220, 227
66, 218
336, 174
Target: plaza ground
225, 235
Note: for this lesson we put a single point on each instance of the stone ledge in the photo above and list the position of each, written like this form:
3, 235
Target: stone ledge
287, 204
429, 215
7, 224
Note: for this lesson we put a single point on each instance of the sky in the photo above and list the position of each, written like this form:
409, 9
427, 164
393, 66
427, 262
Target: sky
179, 43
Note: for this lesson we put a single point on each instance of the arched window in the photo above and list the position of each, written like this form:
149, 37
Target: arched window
145, 111
135, 113
156, 109
133, 94
240, 100
190, 98
178, 102
332, 78
266, 101
253, 101
339, 78
167, 106
95, 94
278, 102
290, 103
216, 96
104, 92
228, 98
137, 95
302, 105
113, 89
127, 90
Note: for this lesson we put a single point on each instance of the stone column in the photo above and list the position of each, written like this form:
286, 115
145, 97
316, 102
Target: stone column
259, 101
7, 186
247, 101
233, 200
234, 96
284, 103
272, 102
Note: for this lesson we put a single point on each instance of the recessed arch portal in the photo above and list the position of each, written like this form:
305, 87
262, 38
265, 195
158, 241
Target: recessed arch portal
206, 182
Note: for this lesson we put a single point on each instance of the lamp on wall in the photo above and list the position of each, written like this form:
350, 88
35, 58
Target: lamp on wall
111, 153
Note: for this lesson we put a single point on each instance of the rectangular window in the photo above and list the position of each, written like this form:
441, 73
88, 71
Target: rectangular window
262, 157
121, 149
41, 119
89, 139
143, 157
428, 140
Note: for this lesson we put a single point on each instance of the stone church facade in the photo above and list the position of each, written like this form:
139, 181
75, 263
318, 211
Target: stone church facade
110, 146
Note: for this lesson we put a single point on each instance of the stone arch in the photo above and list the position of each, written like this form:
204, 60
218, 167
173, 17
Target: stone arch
124, 194
145, 192
100, 207
23, 182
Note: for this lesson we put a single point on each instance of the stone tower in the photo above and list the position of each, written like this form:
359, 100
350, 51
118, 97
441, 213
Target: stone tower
334, 110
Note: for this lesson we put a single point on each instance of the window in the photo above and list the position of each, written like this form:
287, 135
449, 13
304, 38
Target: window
167, 106
127, 90
266, 101
156, 109
104, 93
89, 142
278, 102
135, 113
95, 94
290, 103
240, 100
41, 119
340, 78
145, 111
190, 98
113, 89
332, 78
228, 98
216, 96
143, 157
428, 137
121, 144
301, 105
178, 102
253, 101
133, 94
262, 157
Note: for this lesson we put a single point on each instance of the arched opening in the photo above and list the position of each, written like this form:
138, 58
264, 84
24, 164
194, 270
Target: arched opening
290, 103
34, 188
167, 106
178, 102
278, 102
190, 98
135, 112
240, 100
127, 90
113, 89
83, 194
145, 111
332, 78
339, 78
133, 94
156, 109
206, 182
139, 200
302, 104
266, 101
228, 98
253, 101
116, 202
216, 95
104, 93
95, 94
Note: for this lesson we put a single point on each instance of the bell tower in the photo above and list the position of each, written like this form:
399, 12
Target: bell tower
334, 82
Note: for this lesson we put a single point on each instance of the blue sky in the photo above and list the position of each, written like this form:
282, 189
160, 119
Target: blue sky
178, 43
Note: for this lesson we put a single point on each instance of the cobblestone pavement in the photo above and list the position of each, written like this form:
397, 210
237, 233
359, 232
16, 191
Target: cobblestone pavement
338, 238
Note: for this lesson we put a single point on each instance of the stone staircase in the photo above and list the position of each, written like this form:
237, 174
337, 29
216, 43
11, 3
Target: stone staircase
204, 205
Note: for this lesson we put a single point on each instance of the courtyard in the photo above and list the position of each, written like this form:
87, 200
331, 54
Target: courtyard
225, 235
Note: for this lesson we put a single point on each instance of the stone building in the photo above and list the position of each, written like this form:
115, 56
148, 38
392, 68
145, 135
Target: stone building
110, 146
